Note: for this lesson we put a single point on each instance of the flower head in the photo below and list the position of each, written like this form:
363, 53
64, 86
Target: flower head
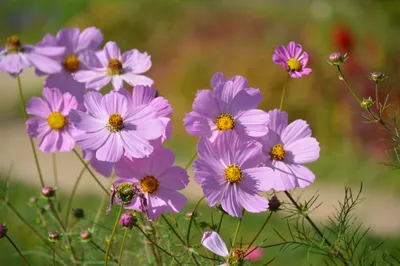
109, 65
76, 43
157, 179
14, 57
112, 128
128, 220
230, 107
292, 59
51, 122
288, 147
228, 171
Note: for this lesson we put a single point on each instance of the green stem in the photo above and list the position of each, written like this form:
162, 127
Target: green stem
100, 210
237, 229
191, 161
156, 245
218, 229
113, 233
121, 251
71, 198
191, 220
342, 77
377, 99
17, 249
54, 257
284, 91
102, 250
55, 175
173, 230
91, 172
23, 106
259, 232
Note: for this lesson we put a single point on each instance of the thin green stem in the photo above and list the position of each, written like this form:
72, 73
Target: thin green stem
54, 257
17, 249
71, 198
23, 106
103, 251
284, 91
100, 210
191, 161
259, 232
220, 222
113, 233
377, 99
191, 220
237, 229
173, 230
157, 255
156, 245
55, 175
121, 251
342, 77
91, 172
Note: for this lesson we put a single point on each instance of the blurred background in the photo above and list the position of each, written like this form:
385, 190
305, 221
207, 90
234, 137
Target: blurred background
191, 40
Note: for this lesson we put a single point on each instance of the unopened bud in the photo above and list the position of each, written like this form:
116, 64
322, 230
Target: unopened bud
367, 103
3, 230
54, 236
79, 213
48, 192
377, 77
336, 59
128, 220
85, 235
274, 204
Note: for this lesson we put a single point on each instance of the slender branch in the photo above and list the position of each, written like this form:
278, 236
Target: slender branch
191, 220
55, 176
284, 91
121, 251
377, 99
191, 161
218, 229
113, 233
342, 77
100, 210
237, 229
102, 250
259, 232
54, 257
71, 197
17, 249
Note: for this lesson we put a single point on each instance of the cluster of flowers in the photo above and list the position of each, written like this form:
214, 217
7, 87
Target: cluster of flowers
242, 150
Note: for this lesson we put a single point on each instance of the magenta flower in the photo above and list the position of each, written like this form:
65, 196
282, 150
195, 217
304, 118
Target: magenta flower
72, 60
287, 148
228, 171
141, 95
52, 122
157, 178
14, 57
109, 65
292, 59
230, 107
112, 127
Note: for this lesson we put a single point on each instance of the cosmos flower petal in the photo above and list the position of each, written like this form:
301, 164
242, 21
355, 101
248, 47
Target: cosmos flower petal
162, 106
112, 150
117, 82
296, 130
174, 178
69, 103
98, 81
174, 200
43, 63
85, 122
48, 142
196, 124
54, 98
65, 142
304, 177
48, 51
135, 79
112, 51
102, 167
92, 140
303, 150
93, 105
37, 106
36, 126
213, 242
115, 103
255, 122
244, 101
14, 63
206, 105
217, 79
134, 145
278, 120
142, 95
283, 178
156, 206
68, 37
90, 38
259, 178
230, 201
137, 62
252, 202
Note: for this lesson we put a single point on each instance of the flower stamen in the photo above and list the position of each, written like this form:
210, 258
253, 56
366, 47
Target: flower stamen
225, 122
115, 122
236, 257
294, 64
71, 63
149, 184
13, 44
277, 152
233, 174
114, 67
56, 121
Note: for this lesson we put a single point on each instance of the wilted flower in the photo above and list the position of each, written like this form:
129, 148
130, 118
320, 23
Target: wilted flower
288, 147
109, 65
14, 57
292, 59
228, 171
157, 179
128, 220
51, 123
3, 230
112, 128
230, 107
54, 236
48, 192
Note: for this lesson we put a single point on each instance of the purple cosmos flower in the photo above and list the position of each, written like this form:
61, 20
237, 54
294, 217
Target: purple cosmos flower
72, 60
288, 147
213, 242
14, 57
109, 65
228, 171
157, 178
292, 59
52, 122
230, 107
141, 95
112, 127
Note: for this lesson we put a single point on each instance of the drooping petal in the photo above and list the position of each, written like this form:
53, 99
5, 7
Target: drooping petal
213, 242
36, 106
296, 130
14, 63
304, 150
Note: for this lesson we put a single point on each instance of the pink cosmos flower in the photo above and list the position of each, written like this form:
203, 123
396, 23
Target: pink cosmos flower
288, 147
157, 178
292, 59
141, 95
14, 57
228, 171
230, 107
112, 128
72, 60
52, 123
109, 65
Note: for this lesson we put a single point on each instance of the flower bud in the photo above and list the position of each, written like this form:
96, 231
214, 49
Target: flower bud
85, 235
377, 77
33, 200
128, 220
367, 103
54, 236
3, 230
336, 59
48, 192
236, 257
79, 213
274, 204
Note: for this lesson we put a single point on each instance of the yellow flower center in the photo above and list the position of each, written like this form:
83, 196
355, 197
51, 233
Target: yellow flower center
71, 63
149, 184
115, 122
13, 44
225, 122
114, 67
278, 152
233, 174
56, 121
294, 64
